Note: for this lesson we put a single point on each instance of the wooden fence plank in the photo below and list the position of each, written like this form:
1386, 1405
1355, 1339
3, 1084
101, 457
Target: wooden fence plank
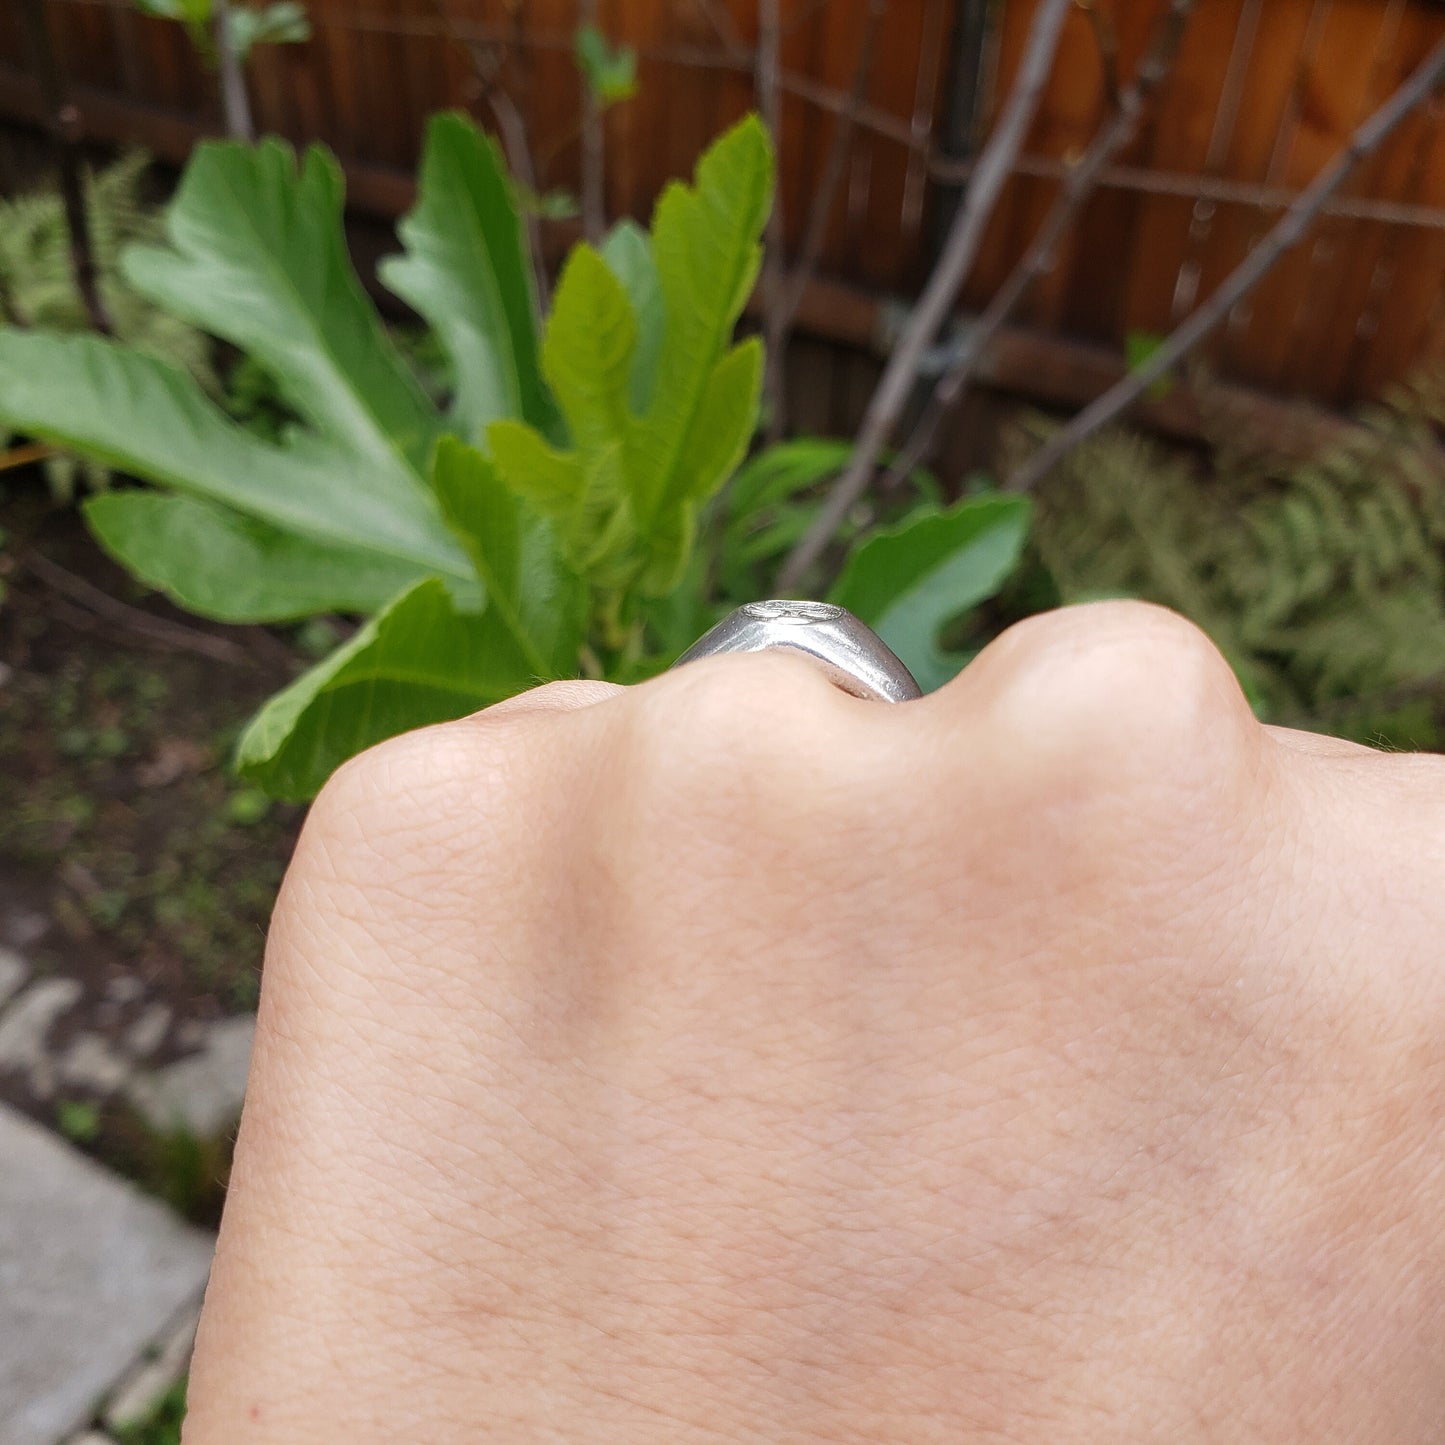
1264, 91
1337, 92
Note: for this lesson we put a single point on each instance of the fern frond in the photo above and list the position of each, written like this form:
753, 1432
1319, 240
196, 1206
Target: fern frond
38, 288
1323, 577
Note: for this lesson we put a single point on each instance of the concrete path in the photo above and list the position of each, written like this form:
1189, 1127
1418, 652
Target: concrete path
92, 1276
98, 1285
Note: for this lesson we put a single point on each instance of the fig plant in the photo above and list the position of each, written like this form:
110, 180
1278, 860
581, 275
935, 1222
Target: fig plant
543, 522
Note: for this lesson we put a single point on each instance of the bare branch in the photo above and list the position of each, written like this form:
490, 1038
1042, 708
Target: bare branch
1287, 232
1079, 184
770, 110
782, 307
175, 635
486, 61
1106, 38
722, 22
24, 455
513, 128
231, 74
827, 192
62, 120
594, 156
959, 250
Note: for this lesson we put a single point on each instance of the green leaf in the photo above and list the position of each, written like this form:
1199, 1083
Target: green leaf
723, 427
284, 23
220, 563
705, 243
144, 417
628, 253
908, 581
716, 443
552, 480
192, 13
1139, 346
610, 70
518, 555
258, 257
783, 469
587, 353
553, 205
162, 9
419, 661
466, 271
638, 474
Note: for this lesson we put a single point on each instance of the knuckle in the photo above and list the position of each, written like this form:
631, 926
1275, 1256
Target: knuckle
729, 749
1134, 687
1124, 724
411, 803
392, 778
740, 711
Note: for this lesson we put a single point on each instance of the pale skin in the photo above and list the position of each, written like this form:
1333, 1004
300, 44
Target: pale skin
1059, 1058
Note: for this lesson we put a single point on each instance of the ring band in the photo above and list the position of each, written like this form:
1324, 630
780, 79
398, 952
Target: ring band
852, 655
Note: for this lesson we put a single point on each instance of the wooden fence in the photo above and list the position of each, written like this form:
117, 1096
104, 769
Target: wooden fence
1264, 92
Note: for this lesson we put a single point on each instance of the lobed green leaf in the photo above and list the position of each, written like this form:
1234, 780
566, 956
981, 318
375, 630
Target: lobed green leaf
659, 411
258, 256
222, 564
144, 417
628, 253
466, 273
519, 557
907, 582
418, 661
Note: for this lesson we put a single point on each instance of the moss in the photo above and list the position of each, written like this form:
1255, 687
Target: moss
162, 1426
117, 807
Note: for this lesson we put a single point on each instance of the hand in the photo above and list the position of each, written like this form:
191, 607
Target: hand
1058, 1058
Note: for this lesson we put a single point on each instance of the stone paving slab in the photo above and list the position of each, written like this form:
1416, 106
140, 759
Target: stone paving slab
91, 1273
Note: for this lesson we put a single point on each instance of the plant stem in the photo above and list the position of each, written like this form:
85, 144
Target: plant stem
1287, 232
939, 295
62, 120
235, 102
1078, 186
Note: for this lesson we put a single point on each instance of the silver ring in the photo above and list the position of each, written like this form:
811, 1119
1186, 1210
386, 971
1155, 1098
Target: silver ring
852, 655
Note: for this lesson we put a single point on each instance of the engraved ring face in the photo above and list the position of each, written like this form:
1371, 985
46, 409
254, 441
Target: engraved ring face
852, 655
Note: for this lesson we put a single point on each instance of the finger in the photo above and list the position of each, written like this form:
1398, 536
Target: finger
569, 695
1319, 745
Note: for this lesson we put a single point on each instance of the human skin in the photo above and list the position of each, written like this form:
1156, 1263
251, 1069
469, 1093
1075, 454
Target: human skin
1058, 1058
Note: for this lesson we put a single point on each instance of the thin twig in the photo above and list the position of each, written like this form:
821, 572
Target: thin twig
231, 73
158, 629
1287, 232
594, 155
62, 120
823, 198
513, 128
22, 456
770, 111
1078, 186
486, 60
1106, 38
939, 295
722, 22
